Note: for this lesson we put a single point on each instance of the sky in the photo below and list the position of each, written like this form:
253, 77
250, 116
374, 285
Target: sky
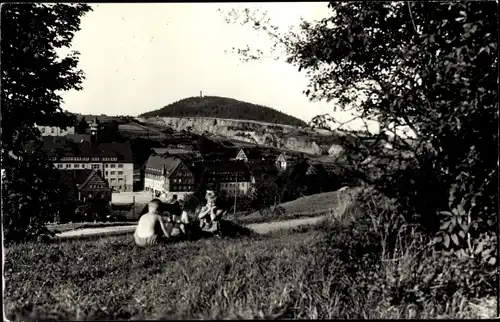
140, 57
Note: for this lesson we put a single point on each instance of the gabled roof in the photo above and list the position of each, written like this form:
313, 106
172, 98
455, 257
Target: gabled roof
92, 175
72, 179
158, 164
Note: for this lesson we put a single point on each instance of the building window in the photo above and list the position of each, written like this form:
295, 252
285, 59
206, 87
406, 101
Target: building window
112, 180
120, 165
112, 173
106, 165
120, 173
106, 172
83, 165
120, 180
52, 130
76, 165
95, 166
112, 165
68, 165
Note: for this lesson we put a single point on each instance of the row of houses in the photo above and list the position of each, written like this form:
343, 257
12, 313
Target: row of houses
232, 170
177, 172
175, 175
172, 170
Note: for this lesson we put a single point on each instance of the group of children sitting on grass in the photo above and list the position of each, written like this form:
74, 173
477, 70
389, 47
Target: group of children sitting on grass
164, 219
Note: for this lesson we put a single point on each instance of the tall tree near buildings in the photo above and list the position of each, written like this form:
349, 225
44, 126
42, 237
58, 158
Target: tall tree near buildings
32, 77
82, 126
430, 68
265, 193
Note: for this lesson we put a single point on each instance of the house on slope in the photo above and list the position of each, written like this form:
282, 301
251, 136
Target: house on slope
81, 186
250, 155
285, 161
169, 175
85, 184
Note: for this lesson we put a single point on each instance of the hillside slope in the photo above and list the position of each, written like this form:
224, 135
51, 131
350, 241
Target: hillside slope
333, 203
223, 107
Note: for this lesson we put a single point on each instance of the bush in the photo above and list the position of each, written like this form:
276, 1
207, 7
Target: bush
29, 194
94, 210
409, 272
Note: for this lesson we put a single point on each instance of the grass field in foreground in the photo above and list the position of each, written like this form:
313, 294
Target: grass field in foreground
308, 272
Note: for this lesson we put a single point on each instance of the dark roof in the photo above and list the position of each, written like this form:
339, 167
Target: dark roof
100, 118
259, 168
65, 148
253, 153
222, 154
78, 137
176, 152
160, 164
227, 167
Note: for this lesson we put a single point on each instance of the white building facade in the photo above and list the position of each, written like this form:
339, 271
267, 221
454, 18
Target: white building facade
114, 160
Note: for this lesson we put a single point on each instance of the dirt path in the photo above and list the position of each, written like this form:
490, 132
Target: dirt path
260, 228
266, 227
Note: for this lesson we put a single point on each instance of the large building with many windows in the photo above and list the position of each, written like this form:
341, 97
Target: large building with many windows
114, 160
168, 175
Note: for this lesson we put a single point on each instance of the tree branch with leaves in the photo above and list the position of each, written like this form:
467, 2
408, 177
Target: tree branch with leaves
33, 76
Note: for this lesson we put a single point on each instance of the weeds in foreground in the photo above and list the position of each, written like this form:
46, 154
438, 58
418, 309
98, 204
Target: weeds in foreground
339, 268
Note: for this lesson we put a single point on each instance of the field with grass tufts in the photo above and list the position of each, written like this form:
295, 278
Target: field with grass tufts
337, 268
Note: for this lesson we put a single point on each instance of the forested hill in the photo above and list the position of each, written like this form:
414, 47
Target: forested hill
223, 107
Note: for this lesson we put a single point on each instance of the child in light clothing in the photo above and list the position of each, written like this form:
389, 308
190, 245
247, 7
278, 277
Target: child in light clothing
210, 214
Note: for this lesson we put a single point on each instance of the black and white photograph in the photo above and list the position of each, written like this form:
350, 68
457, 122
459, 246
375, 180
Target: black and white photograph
250, 160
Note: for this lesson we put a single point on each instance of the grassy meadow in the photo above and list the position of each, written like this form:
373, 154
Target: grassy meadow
339, 268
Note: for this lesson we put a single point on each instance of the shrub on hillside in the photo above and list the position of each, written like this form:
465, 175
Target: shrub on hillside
406, 271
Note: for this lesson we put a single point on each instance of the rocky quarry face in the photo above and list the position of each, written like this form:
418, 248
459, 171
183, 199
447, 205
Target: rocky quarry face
275, 135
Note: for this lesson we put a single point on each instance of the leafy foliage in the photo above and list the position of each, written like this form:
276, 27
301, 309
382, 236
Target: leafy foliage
32, 77
109, 132
424, 68
30, 197
82, 126
222, 107
94, 210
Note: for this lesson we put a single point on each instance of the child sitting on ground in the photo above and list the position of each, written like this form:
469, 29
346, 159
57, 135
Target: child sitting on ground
210, 214
177, 216
151, 228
